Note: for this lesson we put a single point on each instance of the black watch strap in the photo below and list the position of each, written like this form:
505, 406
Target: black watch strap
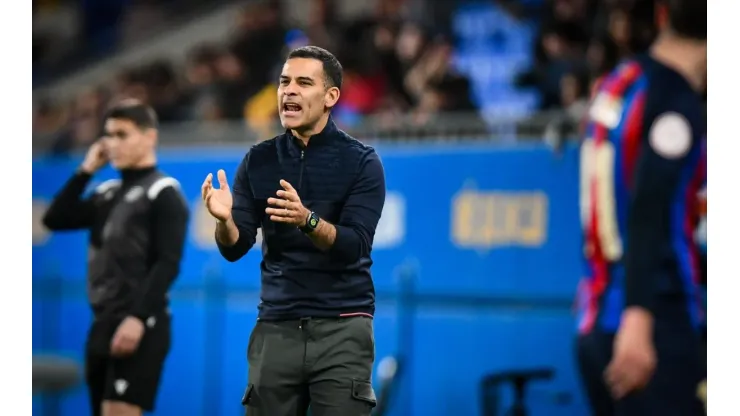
312, 222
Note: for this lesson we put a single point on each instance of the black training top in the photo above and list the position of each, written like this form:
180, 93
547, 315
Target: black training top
138, 227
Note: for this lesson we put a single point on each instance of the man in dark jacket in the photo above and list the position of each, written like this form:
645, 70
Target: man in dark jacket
317, 194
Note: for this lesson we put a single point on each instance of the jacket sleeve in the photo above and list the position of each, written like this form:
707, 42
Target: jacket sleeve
361, 212
170, 221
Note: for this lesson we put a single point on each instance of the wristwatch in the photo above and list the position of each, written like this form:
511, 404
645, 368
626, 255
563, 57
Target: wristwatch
311, 223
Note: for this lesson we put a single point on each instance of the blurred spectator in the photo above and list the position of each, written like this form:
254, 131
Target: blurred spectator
601, 56
619, 29
83, 126
574, 94
48, 119
200, 91
259, 40
232, 84
558, 52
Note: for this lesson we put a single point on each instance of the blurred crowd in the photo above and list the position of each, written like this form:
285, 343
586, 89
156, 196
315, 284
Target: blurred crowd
69, 34
578, 42
391, 63
395, 64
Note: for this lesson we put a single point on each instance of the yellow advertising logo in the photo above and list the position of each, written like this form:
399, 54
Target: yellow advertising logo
487, 219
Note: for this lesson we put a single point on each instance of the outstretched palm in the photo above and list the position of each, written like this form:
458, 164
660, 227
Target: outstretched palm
218, 200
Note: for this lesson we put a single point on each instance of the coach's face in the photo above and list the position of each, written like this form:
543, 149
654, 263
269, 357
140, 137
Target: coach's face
126, 144
303, 95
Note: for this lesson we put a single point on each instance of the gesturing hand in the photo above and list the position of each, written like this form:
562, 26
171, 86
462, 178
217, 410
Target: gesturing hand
218, 201
287, 207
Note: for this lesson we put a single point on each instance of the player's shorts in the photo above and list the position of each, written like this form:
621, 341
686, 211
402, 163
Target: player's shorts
133, 379
671, 391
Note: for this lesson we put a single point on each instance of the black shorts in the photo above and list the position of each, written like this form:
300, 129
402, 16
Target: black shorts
134, 379
673, 388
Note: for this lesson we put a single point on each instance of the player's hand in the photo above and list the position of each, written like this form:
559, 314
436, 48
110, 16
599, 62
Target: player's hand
634, 359
218, 201
95, 158
287, 207
127, 337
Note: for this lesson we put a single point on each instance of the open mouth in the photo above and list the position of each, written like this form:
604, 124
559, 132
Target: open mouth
291, 108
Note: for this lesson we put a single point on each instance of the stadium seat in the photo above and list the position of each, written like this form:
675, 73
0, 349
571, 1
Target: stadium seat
518, 379
53, 374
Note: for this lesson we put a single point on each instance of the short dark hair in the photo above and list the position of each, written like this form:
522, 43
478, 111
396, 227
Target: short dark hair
332, 67
143, 116
687, 18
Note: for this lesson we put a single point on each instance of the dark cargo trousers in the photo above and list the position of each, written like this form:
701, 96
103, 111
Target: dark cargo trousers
323, 363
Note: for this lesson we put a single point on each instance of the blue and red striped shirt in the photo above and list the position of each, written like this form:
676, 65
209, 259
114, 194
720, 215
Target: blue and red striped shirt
643, 163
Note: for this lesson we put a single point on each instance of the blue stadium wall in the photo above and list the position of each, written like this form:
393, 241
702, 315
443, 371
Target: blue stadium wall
476, 265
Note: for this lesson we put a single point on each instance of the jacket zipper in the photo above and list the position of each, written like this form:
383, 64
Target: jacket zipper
300, 175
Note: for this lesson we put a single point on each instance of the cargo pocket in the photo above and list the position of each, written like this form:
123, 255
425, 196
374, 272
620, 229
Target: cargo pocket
363, 391
247, 398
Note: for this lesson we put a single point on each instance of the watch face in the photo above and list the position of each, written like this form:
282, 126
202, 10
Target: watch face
313, 222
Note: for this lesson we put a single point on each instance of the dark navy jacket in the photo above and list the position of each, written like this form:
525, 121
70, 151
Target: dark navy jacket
340, 179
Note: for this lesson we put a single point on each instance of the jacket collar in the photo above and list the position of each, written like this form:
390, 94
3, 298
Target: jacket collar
323, 137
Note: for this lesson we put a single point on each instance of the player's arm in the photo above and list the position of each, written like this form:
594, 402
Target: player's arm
236, 236
69, 210
352, 237
658, 172
170, 222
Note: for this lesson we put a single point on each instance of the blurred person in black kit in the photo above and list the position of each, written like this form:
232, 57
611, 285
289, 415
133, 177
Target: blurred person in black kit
317, 194
643, 163
137, 229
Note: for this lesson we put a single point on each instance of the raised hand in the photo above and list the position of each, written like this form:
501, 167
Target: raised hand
287, 207
218, 201
95, 158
